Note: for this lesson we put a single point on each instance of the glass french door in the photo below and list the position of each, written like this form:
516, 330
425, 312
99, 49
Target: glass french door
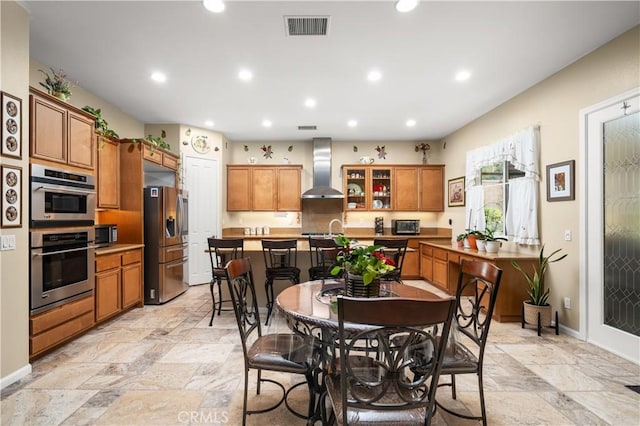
613, 226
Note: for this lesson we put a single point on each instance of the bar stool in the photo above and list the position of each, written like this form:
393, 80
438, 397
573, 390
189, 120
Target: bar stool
221, 251
281, 260
323, 253
396, 249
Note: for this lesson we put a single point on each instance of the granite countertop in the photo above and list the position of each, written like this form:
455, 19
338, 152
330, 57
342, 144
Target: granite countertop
116, 248
501, 255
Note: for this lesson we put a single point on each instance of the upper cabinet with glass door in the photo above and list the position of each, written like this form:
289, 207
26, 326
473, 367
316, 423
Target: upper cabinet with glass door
367, 188
355, 188
381, 194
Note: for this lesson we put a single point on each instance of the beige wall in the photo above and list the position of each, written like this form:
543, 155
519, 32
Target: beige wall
554, 104
14, 265
126, 126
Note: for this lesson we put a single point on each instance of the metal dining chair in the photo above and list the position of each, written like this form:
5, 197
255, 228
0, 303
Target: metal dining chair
396, 249
281, 352
323, 253
375, 381
221, 250
281, 260
476, 295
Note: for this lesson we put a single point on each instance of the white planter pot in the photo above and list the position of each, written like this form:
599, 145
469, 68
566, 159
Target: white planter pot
492, 246
481, 244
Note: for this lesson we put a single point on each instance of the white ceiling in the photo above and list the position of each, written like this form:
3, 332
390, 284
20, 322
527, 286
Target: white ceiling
111, 47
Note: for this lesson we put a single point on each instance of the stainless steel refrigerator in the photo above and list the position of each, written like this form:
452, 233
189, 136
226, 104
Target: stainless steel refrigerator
166, 230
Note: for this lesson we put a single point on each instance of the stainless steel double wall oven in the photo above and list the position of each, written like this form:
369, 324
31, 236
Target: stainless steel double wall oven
62, 236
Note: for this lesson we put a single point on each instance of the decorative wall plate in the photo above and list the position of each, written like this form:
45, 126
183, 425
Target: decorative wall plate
200, 144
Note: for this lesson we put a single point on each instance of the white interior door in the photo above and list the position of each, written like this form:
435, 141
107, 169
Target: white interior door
202, 181
612, 219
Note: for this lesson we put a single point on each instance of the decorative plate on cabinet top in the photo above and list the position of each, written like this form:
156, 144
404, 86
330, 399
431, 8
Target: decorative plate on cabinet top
200, 144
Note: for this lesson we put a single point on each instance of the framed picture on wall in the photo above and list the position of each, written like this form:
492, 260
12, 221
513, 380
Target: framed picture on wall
11, 196
11, 125
561, 181
456, 192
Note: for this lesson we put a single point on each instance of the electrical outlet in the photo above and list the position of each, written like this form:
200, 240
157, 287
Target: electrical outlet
567, 234
567, 303
8, 242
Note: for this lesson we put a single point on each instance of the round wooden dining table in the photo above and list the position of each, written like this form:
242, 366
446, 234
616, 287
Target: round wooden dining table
308, 306
310, 309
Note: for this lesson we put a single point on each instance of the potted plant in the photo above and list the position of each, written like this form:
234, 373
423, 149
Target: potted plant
471, 238
481, 241
102, 126
460, 239
364, 265
492, 243
538, 295
57, 84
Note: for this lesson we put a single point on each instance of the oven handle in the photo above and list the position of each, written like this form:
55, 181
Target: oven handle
64, 251
72, 191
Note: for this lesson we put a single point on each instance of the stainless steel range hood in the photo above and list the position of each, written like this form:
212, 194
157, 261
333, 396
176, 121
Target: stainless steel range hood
322, 171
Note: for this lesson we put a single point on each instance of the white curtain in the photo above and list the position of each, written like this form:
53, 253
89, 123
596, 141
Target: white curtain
521, 149
521, 221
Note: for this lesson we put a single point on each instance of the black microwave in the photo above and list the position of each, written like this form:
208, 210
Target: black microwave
106, 235
405, 227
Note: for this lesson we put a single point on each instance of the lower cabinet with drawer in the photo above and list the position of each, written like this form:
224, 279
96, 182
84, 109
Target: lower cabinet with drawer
118, 282
49, 329
440, 266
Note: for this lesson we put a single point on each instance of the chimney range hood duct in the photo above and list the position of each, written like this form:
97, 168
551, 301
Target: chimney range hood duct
322, 171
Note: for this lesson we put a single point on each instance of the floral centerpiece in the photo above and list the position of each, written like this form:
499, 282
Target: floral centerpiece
364, 265
424, 147
57, 84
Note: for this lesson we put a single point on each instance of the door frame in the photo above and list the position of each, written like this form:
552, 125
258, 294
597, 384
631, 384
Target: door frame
587, 187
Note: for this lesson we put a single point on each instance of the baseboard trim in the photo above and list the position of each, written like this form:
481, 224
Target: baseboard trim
571, 332
15, 376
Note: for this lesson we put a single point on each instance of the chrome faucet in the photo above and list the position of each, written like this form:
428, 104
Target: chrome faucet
331, 225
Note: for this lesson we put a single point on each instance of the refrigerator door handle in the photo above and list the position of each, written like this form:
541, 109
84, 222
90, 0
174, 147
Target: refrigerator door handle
179, 208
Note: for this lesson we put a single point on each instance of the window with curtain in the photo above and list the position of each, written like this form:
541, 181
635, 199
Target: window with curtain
502, 187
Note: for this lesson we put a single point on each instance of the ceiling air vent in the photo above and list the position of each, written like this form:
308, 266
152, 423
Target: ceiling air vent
307, 128
306, 25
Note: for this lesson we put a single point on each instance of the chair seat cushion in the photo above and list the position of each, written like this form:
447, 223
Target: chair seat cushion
281, 352
372, 417
282, 273
459, 359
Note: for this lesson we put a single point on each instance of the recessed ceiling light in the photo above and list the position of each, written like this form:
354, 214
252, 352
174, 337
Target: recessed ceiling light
463, 75
209, 123
245, 75
310, 103
374, 75
215, 6
411, 122
266, 123
406, 5
158, 77
352, 123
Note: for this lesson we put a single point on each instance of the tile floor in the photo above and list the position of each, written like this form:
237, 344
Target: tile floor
164, 365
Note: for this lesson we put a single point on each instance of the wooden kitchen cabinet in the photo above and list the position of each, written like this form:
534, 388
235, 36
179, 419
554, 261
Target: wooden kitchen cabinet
118, 282
60, 132
405, 182
440, 265
51, 328
368, 188
426, 263
108, 173
431, 188
411, 264
393, 188
263, 188
159, 156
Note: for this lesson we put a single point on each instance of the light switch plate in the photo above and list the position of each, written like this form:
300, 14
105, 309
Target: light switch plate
8, 242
